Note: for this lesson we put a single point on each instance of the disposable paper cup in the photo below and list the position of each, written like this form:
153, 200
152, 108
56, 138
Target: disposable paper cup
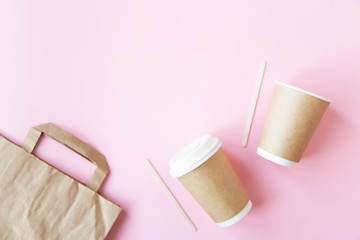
292, 118
206, 173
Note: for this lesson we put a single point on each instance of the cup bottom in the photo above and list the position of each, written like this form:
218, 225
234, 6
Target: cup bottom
274, 158
237, 217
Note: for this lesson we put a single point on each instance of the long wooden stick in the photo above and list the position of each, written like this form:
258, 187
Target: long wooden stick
162, 183
253, 103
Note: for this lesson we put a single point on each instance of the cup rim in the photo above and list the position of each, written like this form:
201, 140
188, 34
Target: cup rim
304, 91
274, 158
238, 216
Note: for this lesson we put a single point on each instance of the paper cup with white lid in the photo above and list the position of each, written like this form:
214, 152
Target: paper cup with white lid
291, 121
207, 174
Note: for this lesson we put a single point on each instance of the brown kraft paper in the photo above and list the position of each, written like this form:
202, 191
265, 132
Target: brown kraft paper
37, 201
290, 123
216, 187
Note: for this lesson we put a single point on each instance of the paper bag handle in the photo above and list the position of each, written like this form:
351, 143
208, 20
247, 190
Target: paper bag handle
75, 144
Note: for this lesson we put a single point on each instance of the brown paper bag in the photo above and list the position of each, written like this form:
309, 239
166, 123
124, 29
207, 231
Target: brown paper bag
37, 201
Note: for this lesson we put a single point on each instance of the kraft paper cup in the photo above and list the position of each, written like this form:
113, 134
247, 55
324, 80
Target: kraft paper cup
292, 118
206, 173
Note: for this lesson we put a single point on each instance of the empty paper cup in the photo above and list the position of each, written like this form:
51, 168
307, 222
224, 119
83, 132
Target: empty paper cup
206, 173
292, 118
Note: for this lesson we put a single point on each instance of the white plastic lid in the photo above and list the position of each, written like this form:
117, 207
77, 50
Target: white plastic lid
193, 155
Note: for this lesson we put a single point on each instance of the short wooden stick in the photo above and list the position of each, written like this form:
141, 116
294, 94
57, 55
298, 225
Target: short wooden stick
173, 199
253, 104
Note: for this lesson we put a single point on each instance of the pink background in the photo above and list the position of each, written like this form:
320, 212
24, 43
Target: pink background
141, 79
